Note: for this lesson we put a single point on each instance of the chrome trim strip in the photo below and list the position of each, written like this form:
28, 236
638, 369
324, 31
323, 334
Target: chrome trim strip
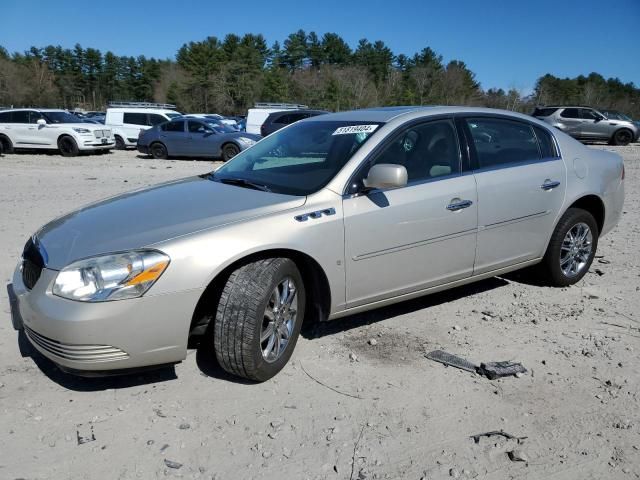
420, 243
513, 220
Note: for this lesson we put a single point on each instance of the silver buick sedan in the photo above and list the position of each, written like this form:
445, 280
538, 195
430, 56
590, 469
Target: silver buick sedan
330, 216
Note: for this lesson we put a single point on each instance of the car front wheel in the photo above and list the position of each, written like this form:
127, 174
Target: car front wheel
229, 151
258, 318
572, 248
68, 147
622, 137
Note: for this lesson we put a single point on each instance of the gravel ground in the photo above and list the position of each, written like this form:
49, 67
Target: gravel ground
346, 407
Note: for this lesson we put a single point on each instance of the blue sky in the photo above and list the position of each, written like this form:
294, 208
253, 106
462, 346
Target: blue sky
507, 43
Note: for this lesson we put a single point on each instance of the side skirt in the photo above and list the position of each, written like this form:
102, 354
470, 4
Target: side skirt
437, 288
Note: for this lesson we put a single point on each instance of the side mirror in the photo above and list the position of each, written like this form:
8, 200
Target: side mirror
41, 121
597, 119
386, 175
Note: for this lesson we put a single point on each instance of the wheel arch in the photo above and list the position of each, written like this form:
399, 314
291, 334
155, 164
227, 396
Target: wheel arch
594, 205
7, 144
315, 280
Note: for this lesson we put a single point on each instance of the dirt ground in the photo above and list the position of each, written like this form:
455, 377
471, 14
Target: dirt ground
343, 408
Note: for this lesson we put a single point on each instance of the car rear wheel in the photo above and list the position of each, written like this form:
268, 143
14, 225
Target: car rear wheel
158, 150
120, 145
622, 137
571, 249
229, 151
258, 318
68, 147
6, 146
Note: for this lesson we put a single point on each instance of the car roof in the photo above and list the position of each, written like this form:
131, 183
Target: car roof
35, 109
386, 114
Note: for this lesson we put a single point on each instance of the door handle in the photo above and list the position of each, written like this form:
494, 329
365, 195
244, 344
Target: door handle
456, 204
549, 185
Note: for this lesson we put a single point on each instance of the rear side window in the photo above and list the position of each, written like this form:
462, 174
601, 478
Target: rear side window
498, 142
570, 113
5, 117
155, 119
20, 117
547, 145
175, 126
543, 112
135, 118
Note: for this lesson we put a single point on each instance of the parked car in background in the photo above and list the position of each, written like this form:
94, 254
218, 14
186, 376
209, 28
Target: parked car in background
194, 137
214, 116
334, 215
127, 119
257, 115
586, 123
52, 129
616, 115
277, 120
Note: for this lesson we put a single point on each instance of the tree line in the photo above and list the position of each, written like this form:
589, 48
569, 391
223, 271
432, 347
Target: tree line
228, 76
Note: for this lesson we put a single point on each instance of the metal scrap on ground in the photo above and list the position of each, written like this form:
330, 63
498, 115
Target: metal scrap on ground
491, 370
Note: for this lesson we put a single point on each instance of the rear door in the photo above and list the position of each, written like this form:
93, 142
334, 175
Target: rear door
175, 138
521, 185
571, 121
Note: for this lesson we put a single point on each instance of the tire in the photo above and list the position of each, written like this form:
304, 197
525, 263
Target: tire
245, 313
68, 146
6, 146
622, 137
120, 145
229, 151
558, 258
158, 151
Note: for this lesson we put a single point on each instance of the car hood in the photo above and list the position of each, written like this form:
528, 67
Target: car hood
88, 126
145, 217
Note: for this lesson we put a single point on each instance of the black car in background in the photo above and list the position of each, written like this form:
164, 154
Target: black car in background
278, 120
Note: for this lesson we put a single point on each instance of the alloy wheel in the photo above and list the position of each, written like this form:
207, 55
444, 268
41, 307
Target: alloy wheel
576, 249
279, 320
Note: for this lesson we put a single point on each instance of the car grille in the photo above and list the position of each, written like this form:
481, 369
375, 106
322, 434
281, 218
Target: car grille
102, 133
81, 353
32, 264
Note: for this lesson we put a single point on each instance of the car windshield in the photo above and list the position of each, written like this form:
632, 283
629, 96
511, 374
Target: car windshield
298, 160
220, 127
173, 115
61, 117
618, 116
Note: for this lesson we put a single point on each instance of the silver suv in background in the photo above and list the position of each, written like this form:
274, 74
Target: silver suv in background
586, 123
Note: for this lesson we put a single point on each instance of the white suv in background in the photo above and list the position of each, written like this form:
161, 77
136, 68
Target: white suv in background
126, 119
51, 129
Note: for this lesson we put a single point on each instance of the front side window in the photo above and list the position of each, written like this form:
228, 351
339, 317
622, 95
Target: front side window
135, 118
427, 151
197, 127
60, 117
498, 142
298, 160
570, 113
34, 116
589, 114
155, 119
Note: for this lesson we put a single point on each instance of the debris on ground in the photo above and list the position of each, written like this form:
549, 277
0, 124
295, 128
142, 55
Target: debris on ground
87, 434
172, 464
517, 456
491, 370
501, 433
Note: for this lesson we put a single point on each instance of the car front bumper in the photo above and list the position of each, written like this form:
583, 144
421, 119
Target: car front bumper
102, 336
95, 144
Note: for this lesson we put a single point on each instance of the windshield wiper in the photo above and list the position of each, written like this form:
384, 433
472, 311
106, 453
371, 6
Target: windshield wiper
241, 182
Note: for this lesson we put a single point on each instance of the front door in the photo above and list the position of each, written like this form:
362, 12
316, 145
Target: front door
594, 126
407, 239
521, 183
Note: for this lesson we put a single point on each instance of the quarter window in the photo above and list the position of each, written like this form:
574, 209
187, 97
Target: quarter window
427, 150
135, 118
547, 145
155, 119
570, 113
499, 142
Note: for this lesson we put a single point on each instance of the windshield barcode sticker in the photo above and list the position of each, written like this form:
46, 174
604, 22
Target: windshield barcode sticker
355, 129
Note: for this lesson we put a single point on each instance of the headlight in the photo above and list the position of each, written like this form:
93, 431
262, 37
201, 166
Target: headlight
81, 130
110, 277
246, 141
